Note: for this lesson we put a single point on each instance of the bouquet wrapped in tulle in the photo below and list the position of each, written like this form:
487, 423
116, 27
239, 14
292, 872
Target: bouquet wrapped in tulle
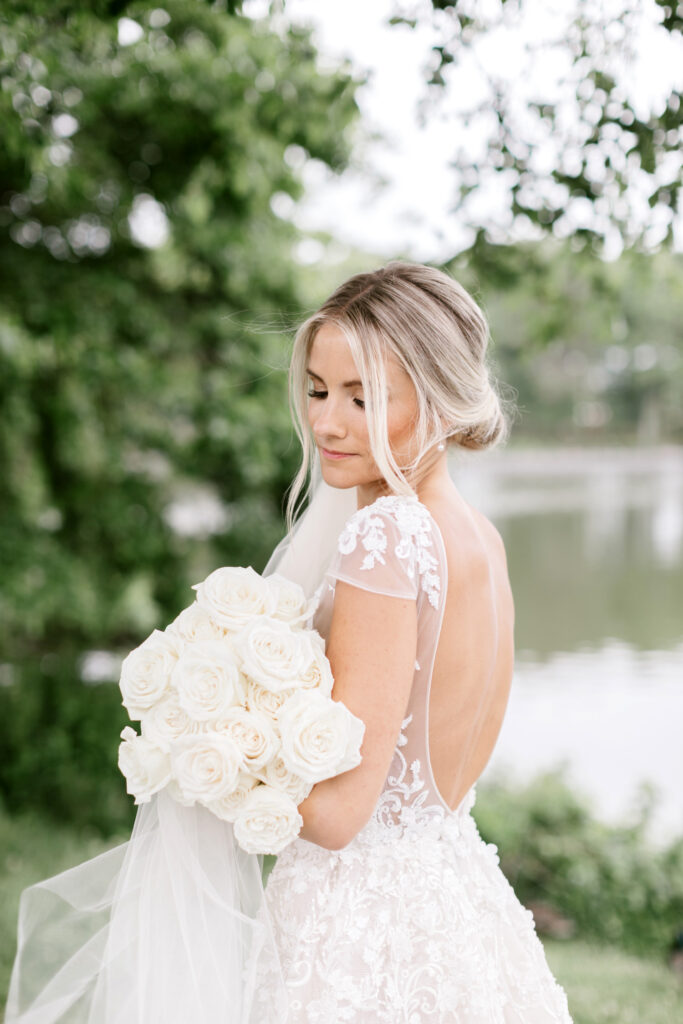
234, 701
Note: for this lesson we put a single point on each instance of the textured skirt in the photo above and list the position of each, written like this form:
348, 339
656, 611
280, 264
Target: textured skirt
407, 924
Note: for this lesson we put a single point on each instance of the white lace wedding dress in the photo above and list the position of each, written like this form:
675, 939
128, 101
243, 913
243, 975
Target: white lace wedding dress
413, 922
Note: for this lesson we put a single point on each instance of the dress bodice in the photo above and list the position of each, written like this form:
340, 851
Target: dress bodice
394, 547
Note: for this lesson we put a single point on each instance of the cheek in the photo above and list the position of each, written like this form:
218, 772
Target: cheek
398, 427
401, 428
360, 427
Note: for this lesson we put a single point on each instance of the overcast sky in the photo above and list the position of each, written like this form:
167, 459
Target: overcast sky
411, 212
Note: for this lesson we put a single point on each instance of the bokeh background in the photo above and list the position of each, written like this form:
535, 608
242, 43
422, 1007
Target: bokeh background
179, 186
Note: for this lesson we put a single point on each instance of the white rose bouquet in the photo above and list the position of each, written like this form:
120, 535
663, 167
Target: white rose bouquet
234, 701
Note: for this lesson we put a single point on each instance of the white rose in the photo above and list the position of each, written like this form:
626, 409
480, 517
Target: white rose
206, 766
318, 674
266, 701
268, 821
229, 806
277, 775
232, 595
273, 655
320, 737
146, 671
194, 624
166, 721
147, 768
291, 604
207, 681
253, 733
174, 790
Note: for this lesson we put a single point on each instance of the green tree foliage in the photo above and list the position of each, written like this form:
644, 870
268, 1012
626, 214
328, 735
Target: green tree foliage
129, 363
593, 348
117, 358
567, 140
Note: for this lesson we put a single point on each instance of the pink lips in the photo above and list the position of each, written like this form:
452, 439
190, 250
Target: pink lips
336, 455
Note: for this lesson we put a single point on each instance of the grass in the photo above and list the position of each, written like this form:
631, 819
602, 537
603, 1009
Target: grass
603, 985
607, 986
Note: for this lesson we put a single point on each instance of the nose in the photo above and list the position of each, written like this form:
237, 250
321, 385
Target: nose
328, 420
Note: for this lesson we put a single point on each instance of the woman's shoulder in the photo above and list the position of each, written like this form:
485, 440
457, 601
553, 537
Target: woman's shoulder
399, 513
471, 541
490, 534
400, 529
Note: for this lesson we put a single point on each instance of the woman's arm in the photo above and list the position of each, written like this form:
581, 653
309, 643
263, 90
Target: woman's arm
371, 649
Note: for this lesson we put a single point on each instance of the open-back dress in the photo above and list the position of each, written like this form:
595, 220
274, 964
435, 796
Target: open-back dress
413, 921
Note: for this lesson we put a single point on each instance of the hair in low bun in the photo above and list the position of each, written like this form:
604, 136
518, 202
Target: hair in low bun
440, 337
488, 432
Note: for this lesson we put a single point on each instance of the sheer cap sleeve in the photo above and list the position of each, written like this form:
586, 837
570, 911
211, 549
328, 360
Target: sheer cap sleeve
387, 548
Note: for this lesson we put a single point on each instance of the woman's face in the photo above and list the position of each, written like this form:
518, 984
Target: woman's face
338, 419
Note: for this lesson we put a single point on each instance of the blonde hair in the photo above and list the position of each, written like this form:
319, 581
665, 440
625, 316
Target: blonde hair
437, 333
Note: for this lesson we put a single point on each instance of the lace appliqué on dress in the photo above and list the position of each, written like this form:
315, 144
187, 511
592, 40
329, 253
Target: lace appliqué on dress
421, 928
405, 805
413, 521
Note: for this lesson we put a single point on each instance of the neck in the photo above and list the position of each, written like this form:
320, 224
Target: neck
432, 478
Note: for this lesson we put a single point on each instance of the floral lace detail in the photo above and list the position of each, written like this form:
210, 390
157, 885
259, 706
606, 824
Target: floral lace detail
412, 922
404, 804
413, 521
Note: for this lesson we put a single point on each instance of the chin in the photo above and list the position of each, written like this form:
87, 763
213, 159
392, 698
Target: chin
334, 480
337, 477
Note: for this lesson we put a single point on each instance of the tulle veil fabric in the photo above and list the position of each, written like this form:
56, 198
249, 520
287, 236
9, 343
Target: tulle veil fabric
170, 926
304, 556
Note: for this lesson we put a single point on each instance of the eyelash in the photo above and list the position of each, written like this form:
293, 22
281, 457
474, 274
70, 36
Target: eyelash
322, 394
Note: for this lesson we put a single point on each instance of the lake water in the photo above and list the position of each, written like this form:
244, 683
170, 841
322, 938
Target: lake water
594, 540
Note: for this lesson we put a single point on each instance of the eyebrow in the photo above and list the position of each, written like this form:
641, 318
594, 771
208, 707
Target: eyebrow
346, 384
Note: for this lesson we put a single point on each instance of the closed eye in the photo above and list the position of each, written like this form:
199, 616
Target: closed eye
323, 394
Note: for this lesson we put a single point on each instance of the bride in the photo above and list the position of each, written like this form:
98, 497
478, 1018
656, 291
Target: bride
388, 908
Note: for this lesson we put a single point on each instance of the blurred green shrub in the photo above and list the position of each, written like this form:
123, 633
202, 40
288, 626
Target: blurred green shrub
59, 739
608, 879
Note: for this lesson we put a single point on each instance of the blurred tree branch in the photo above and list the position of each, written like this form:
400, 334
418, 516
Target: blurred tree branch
586, 158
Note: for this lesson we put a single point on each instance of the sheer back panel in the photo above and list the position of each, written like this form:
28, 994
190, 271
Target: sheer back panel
395, 547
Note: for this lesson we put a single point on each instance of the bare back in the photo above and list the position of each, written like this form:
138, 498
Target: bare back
448, 557
474, 658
